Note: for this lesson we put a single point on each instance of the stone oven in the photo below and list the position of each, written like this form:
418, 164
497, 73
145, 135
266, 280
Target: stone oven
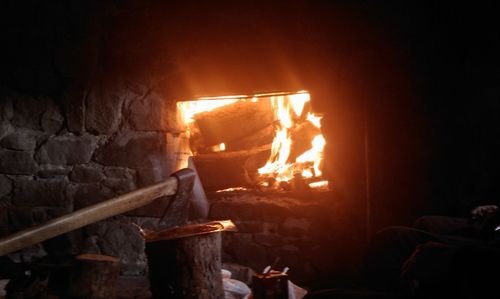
89, 109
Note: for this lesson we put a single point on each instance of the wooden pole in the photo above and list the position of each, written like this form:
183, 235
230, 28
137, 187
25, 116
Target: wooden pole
88, 215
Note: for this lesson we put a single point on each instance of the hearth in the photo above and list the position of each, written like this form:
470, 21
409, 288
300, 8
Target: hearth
266, 142
260, 159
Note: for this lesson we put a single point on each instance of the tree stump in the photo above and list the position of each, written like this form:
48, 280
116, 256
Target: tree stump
94, 276
186, 268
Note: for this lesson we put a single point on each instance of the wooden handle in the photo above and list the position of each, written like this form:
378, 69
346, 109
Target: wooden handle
88, 215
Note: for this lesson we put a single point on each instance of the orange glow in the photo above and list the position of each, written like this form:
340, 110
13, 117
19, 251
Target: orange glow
189, 108
321, 185
278, 164
232, 189
315, 154
219, 147
298, 101
313, 119
290, 112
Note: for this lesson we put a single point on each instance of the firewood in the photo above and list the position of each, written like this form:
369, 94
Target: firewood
230, 169
94, 276
258, 138
234, 121
186, 268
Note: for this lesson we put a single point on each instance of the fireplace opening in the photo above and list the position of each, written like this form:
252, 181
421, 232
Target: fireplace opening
268, 142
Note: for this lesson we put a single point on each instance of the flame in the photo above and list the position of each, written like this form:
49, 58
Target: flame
219, 147
298, 101
321, 185
315, 154
290, 112
188, 109
313, 119
232, 189
287, 108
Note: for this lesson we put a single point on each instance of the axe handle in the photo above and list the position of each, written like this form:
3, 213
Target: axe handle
88, 215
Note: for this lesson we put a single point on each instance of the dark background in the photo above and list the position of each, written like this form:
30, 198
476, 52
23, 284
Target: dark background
410, 90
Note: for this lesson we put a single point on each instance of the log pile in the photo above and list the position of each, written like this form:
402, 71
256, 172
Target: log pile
247, 128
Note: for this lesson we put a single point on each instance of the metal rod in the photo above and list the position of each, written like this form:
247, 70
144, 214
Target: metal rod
88, 215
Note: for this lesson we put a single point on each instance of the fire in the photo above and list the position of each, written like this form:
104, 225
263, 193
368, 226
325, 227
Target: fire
292, 117
219, 147
288, 108
188, 109
321, 185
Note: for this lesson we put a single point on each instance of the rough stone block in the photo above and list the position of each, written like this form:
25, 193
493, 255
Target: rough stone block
17, 162
245, 251
67, 149
134, 150
153, 113
86, 173
53, 171
120, 179
269, 240
5, 128
44, 192
74, 107
52, 119
252, 207
119, 237
104, 103
119, 173
295, 227
6, 108
151, 175
84, 195
249, 226
5, 185
28, 111
21, 139
24, 217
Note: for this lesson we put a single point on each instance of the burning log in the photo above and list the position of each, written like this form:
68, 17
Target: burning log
234, 121
261, 137
94, 276
229, 169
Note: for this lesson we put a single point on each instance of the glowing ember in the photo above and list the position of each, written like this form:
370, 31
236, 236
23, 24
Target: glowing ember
232, 189
219, 147
321, 185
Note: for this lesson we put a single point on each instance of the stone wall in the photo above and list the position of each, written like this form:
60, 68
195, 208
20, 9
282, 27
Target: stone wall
60, 155
315, 234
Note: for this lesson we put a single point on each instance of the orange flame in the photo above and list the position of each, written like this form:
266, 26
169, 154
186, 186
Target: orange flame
289, 112
315, 154
278, 164
188, 109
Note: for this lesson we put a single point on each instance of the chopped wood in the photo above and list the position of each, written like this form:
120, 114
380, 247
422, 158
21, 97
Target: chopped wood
230, 169
186, 268
234, 121
94, 276
258, 138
